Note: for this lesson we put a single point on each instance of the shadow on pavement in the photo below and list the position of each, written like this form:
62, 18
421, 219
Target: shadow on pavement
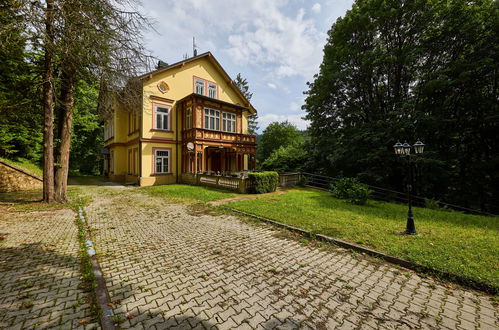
39, 286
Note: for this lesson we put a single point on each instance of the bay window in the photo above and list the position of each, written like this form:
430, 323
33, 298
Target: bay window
212, 119
188, 119
228, 122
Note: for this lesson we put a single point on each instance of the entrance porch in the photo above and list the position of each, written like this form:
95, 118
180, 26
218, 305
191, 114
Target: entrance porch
223, 160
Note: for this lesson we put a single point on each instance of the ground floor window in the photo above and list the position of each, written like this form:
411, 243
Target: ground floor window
162, 159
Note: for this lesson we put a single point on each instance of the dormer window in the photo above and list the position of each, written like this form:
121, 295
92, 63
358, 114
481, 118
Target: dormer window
199, 86
212, 90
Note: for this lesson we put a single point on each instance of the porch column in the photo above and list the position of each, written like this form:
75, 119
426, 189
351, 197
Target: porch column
203, 159
222, 160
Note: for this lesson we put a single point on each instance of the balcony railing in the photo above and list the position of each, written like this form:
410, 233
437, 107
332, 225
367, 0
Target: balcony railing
206, 134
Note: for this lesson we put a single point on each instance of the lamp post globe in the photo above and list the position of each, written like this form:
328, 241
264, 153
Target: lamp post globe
418, 147
404, 151
398, 148
407, 148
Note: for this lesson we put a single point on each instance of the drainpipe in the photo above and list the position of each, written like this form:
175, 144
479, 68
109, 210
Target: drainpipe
141, 121
176, 133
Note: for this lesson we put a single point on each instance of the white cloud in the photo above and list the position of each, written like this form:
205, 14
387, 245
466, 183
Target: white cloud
271, 85
257, 32
296, 120
316, 8
289, 45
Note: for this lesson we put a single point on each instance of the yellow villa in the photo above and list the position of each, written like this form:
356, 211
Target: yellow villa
193, 121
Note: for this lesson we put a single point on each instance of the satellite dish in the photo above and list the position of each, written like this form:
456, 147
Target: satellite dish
190, 146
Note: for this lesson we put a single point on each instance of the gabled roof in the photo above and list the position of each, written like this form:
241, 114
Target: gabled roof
217, 65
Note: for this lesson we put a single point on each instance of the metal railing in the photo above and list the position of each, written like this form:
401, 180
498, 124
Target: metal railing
386, 195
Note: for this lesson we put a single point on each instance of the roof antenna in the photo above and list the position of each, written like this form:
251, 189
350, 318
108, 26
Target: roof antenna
194, 49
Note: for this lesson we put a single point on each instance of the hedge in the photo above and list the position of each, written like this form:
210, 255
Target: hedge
263, 182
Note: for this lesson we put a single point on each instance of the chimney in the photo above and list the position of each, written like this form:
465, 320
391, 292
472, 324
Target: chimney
161, 65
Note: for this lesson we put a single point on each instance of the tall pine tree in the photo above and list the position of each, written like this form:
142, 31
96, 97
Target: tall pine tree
243, 86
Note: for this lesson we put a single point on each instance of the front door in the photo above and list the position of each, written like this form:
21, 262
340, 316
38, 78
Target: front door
216, 161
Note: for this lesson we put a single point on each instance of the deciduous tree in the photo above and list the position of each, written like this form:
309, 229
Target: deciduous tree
411, 69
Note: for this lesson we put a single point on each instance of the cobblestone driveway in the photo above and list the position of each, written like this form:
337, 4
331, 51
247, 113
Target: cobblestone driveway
168, 266
40, 271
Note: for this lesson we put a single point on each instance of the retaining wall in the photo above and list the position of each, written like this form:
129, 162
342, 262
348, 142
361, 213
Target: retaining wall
16, 179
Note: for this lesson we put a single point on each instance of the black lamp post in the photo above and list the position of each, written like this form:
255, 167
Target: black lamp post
404, 151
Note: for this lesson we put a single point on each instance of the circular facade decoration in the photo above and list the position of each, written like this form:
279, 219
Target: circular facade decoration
190, 146
163, 87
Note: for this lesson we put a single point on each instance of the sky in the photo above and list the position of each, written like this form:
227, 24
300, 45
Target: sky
277, 45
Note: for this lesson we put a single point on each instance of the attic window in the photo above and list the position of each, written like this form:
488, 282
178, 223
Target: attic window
212, 90
199, 87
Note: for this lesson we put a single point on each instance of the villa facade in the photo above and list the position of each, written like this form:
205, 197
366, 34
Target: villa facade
193, 120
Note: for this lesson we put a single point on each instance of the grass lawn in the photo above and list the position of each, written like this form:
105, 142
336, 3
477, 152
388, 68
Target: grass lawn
186, 194
458, 243
25, 165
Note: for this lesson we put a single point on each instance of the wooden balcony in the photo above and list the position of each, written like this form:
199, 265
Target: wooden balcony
200, 134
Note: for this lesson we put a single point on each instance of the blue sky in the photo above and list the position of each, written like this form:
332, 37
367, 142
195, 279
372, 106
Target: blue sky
275, 44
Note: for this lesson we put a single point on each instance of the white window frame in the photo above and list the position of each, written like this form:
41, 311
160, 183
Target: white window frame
199, 83
212, 116
109, 129
188, 118
212, 90
229, 122
164, 161
165, 117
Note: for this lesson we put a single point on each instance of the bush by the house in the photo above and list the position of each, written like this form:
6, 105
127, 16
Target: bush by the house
303, 180
352, 190
264, 182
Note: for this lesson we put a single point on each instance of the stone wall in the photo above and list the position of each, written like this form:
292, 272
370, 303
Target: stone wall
15, 179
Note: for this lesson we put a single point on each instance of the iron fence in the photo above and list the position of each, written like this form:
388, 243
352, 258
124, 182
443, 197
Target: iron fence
386, 195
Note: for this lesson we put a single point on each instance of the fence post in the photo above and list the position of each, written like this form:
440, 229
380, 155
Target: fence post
242, 186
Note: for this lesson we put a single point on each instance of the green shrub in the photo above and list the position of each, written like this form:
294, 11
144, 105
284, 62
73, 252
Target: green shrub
431, 204
263, 182
352, 190
303, 180
434, 204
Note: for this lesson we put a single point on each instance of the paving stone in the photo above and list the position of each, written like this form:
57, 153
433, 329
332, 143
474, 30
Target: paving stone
40, 259
164, 261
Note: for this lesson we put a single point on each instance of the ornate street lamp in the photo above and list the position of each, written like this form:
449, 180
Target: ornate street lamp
404, 151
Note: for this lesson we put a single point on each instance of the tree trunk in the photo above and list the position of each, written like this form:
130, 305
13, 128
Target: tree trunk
66, 117
48, 107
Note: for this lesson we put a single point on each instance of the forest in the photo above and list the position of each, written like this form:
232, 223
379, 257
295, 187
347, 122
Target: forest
395, 70
405, 71
409, 70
